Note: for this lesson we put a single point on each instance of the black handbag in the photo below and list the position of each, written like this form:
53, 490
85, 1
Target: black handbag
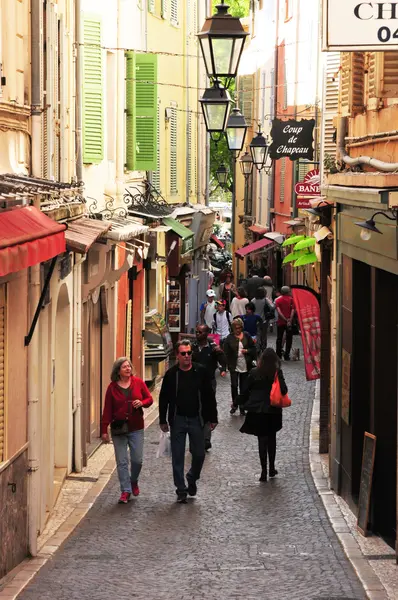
121, 426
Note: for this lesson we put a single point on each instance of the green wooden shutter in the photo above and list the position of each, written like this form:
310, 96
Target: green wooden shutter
141, 112
93, 93
151, 6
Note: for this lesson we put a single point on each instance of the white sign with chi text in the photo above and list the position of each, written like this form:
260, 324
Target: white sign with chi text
356, 25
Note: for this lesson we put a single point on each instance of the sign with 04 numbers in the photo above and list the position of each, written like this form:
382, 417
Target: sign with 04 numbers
359, 25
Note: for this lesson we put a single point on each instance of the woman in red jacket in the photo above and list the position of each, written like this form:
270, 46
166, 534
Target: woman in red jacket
125, 399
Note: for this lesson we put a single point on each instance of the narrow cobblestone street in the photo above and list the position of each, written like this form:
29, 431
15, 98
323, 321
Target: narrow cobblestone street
237, 539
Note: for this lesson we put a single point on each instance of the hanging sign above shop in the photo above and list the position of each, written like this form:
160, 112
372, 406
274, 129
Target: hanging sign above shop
308, 189
292, 139
355, 25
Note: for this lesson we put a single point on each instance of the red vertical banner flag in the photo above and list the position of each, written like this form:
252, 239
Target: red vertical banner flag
306, 302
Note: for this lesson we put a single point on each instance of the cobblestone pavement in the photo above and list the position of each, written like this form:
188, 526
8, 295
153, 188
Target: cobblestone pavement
237, 539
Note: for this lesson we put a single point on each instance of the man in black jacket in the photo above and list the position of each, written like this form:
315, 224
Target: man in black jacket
186, 402
209, 354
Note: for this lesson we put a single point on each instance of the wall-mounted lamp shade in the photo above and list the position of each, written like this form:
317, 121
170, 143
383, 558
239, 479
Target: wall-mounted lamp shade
259, 151
222, 39
236, 131
246, 164
216, 104
222, 175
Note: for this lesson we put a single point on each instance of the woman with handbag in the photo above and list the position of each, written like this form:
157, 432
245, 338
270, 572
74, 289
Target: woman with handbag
125, 399
263, 420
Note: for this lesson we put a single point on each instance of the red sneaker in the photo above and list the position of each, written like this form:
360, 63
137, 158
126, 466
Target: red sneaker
136, 489
124, 498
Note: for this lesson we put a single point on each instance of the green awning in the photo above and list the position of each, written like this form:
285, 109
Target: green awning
182, 231
178, 228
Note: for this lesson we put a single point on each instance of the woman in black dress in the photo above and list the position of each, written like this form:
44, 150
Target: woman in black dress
262, 419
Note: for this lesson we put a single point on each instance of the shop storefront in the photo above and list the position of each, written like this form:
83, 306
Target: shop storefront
366, 352
179, 248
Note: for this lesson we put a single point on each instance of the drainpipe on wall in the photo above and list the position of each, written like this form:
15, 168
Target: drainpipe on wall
34, 289
274, 108
188, 118
380, 165
120, 100
78, 90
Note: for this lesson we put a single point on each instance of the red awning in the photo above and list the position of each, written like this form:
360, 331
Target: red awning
242, 252
258, 229
217, 242
28, 237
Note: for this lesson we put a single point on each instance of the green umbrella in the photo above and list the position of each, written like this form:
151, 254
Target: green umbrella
307, 243
306, 259
292, 256
293, 239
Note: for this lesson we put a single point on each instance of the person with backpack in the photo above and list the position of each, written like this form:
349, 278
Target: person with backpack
208, 309
265, 308
240, 352
222, 321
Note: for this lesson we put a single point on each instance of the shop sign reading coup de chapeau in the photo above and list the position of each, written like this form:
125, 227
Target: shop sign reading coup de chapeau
293, 139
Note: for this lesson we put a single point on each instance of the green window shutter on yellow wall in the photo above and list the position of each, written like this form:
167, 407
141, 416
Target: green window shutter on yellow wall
141, 112
93, 93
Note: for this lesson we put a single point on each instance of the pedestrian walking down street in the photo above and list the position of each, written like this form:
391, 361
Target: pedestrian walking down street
240, 352
265, 308
222, 321
262, 419
227, 291
284, 306
208, 354
186, 402
208, 308
125, 399
238, 303
251, 322
253, 282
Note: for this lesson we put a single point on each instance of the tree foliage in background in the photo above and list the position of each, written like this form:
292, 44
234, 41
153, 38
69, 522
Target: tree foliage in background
238, 8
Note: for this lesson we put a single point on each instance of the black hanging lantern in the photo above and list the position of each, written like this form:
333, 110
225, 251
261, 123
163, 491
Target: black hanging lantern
369, 226
222, 40
216, 105
246, 165
236, 131
259, 151
222, 175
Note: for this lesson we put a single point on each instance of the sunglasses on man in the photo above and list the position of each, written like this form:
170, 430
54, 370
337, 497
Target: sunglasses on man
186, 353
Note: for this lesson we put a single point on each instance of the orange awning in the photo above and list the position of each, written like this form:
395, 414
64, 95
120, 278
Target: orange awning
250, 248
28, 237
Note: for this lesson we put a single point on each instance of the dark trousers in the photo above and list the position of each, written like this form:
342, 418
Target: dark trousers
207, 428
279, 340
237, 381
181, 428
267, 445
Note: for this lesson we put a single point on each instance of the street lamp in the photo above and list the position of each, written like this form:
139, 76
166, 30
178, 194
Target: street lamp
317, 210
222, 175
369, 226
259, 151
246, 165
216, 104
222, 39
236, 132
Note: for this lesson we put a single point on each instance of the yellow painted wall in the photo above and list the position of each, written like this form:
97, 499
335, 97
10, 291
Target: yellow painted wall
179, 38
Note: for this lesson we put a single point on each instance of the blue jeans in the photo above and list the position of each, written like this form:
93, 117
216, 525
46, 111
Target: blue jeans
183, 426
135, 442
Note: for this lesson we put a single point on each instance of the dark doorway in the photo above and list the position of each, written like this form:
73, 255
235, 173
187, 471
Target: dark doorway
384, 402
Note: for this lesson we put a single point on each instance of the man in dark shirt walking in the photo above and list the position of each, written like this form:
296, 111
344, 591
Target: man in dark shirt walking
186, 402
209, 354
